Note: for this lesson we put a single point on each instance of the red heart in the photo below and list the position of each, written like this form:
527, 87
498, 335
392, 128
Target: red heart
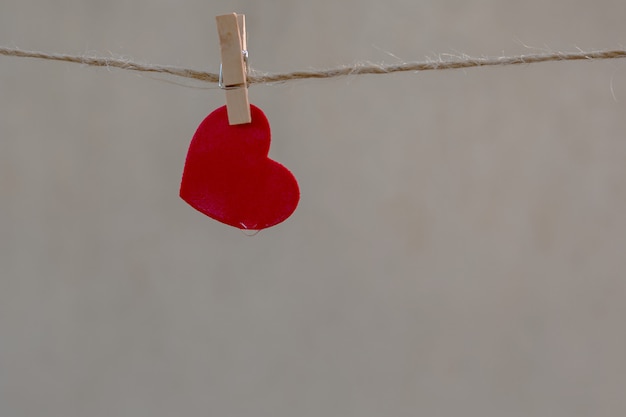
229, 177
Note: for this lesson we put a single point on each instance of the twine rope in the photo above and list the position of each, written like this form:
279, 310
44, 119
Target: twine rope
255, 77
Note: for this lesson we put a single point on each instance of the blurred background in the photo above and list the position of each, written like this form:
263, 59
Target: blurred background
459, 247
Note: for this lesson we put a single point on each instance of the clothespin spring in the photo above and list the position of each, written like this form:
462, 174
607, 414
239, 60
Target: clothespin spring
220, 81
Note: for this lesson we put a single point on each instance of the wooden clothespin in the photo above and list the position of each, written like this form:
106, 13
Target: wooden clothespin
233, 71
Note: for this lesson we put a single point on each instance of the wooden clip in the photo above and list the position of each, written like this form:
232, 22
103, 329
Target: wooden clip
232, 32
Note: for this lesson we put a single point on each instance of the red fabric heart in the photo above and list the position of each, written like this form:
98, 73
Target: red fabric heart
229, 177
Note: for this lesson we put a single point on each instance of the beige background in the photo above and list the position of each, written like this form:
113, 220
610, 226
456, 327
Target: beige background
459, 248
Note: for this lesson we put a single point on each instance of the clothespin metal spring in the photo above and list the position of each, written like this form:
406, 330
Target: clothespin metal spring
220, 81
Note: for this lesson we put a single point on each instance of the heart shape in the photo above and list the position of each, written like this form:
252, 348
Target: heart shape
229, 177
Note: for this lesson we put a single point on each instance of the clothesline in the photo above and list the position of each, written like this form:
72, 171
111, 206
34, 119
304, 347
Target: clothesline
256, 77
